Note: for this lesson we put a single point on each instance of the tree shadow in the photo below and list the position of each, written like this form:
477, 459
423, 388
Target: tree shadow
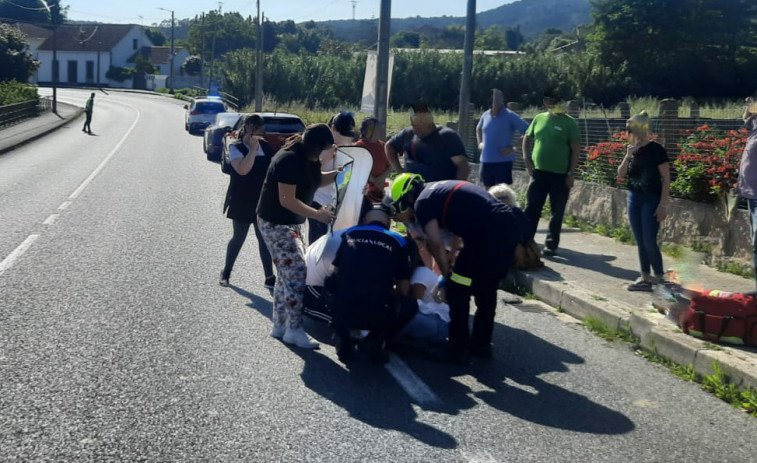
512, 385
598, 263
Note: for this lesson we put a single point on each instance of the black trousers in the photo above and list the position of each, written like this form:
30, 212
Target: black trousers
479, 267
87, 122
241, 229
542, 185
387, 319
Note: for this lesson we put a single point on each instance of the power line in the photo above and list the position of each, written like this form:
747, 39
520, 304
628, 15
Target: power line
23, 7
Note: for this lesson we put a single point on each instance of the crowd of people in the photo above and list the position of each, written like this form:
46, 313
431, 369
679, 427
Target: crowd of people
372, 284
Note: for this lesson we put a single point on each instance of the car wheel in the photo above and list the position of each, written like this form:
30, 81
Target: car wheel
204, 146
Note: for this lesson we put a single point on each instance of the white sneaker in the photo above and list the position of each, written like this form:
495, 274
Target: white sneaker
299, 338
278, 331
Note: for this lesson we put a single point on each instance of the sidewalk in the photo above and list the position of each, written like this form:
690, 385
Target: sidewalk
16, 135
588, 277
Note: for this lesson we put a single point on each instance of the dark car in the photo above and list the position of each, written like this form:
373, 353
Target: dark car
212, 142
278, 127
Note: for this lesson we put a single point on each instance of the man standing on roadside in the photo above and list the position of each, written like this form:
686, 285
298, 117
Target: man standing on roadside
748, 169
494, 133
434, 152
88, 111
551, 165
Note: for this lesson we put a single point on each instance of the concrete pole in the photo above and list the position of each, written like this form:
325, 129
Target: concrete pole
172, 51
382, 65
259, 64
470, 30
202, 52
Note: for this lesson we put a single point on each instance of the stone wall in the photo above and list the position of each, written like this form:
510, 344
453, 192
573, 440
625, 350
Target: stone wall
688, 222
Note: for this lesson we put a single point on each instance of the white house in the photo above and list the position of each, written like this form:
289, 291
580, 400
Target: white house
35, 36
86, 52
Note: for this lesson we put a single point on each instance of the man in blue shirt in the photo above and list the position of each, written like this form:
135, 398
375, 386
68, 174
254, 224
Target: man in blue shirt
495, 132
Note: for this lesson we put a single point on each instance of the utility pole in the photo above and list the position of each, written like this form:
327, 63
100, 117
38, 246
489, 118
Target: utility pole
354, 4
470, 30
170, 71
202, 52
382, 64
259, 64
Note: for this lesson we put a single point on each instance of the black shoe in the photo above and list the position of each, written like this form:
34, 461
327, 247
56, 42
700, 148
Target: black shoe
484, 352
345, 349
223, 280
270, 282
549, 252
447, 354
373, 348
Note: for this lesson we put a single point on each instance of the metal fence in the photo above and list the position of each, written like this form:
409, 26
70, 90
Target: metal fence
704, 147
14, 113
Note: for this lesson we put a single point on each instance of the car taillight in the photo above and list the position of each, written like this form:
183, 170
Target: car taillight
195, 113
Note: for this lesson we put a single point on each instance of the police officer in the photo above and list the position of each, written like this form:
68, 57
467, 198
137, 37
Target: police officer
490, 231
371, 285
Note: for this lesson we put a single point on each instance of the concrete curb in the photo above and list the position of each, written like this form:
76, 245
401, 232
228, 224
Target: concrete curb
655, 334
41, 131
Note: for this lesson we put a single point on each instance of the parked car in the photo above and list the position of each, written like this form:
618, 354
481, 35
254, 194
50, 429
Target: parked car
201, 113
278, 127
212, 142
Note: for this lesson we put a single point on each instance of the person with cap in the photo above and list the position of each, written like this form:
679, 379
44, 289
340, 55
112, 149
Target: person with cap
495, 132
249, 157
371, 285
88, 108
290, 183
432, 151
490, 231
551, 164
343, 131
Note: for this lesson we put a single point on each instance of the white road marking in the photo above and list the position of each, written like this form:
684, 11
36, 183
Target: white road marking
100, 167
411, 383
50, 220
18, 252
64, 206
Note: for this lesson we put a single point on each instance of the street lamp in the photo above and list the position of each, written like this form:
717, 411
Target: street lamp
170, 71
54, 20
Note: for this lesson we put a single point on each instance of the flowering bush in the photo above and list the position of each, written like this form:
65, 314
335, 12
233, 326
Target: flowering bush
603, 159
708, 165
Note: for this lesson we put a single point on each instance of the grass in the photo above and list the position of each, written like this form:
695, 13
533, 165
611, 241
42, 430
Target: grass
717, 384
711, 346
598, 298
529, 296
559, 309
675, 251
736, 268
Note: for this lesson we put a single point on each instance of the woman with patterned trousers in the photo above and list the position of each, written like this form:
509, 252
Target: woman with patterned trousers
291, 181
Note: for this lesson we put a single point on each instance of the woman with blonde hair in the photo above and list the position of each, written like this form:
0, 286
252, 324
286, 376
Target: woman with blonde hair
647, 168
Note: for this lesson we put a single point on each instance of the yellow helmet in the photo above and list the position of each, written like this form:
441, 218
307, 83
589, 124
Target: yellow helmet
403, 191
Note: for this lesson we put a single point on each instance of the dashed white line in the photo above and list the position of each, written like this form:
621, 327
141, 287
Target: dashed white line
411, 383
50, 220
100, 167
18, 252
64, 206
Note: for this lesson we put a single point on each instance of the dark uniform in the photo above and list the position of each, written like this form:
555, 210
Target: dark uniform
490, 231
370, 260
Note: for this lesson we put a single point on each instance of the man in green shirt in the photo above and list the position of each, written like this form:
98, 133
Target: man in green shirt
555, 138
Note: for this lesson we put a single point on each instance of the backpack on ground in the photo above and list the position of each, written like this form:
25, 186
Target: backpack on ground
722, 317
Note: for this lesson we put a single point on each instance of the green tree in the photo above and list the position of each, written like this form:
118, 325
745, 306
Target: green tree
407, 39
31, 11
192, 65
223, 33
493, 38
156, 36
15, 61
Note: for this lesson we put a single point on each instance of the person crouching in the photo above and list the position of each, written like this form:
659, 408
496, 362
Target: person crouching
371, 286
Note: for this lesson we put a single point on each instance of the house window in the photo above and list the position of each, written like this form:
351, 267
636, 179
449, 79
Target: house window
135, 42
90, 71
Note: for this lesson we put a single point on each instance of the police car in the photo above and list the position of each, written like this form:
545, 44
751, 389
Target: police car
202, 112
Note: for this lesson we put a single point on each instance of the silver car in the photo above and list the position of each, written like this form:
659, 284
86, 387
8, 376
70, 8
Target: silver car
201, 113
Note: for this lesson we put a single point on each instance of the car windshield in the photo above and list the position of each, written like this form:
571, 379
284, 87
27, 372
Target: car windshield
227, 119
209, 107
283, 125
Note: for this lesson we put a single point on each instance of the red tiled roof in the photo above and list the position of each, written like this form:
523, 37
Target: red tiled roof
34, 32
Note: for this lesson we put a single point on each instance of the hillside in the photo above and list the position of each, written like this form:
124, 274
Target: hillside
533, 17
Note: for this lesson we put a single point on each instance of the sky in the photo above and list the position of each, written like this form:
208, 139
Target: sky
147, 12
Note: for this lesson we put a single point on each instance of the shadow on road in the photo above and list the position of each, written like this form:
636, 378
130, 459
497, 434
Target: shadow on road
595, 262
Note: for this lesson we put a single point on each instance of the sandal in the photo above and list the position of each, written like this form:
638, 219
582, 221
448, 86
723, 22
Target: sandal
640, 285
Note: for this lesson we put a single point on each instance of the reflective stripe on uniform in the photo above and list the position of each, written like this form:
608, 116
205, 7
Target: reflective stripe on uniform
459, 279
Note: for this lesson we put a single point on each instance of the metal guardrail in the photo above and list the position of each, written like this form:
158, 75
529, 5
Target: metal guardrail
17, 112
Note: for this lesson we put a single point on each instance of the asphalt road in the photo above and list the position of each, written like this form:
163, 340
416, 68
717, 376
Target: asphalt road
118, 344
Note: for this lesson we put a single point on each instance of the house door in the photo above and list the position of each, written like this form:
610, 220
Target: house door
72, 72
